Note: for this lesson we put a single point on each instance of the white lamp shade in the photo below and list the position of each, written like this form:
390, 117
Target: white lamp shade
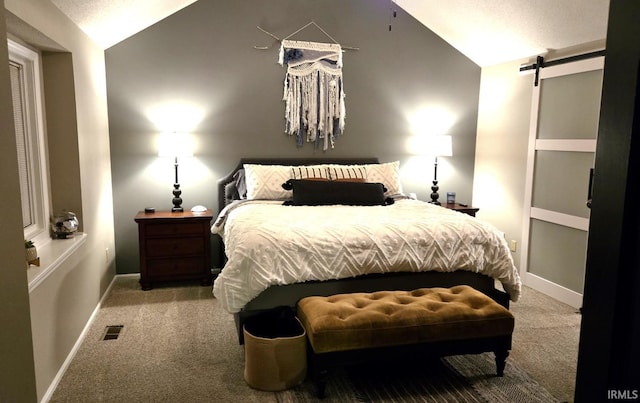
441, 146
175, 145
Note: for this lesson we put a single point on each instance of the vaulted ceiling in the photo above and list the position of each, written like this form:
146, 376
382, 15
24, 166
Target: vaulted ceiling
486, 31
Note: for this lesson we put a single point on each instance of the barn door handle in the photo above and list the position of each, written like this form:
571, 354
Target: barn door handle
589, 193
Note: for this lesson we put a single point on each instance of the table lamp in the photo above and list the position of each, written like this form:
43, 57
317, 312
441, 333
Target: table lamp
175, 145
438, 146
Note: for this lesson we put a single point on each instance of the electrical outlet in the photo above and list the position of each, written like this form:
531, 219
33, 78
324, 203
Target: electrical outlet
513, 245
106, 253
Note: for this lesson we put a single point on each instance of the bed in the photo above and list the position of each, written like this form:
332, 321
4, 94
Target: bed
292, 228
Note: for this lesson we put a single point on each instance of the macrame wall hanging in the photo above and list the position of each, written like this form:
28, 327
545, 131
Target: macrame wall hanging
313, 91
313, 88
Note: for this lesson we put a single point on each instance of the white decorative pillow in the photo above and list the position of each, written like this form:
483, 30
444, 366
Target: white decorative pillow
388, 174
265, 181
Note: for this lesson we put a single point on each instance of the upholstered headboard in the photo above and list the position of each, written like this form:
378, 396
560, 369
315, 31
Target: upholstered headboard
227, 191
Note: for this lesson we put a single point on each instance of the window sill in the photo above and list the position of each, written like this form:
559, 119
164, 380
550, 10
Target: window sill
52, 255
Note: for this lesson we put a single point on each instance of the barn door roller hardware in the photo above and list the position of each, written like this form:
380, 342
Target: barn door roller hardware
541, 63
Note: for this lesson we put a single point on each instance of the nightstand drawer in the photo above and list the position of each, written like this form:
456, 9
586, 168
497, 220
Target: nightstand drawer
175, 267
162, 247
173, 229
174, 246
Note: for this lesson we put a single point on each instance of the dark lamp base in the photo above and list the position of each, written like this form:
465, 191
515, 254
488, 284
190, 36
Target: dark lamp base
177, 200
434, 194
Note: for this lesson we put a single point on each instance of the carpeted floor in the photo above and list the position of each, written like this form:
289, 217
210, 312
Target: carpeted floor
469, 378
545, 341
177, 345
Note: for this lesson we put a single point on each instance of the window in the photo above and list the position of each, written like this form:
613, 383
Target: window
25, 74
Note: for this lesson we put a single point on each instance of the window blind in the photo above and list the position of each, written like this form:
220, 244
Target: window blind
17, 91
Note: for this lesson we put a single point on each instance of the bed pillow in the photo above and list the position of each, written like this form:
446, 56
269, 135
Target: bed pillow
349, 173
265, 181
240, 183
387, 173
230, 193
310, 172
316, 193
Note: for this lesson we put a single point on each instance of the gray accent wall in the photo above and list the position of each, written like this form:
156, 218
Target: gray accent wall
201, 65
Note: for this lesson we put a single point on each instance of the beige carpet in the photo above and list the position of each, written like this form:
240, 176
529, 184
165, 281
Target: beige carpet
545, 341
177, 345
461, 378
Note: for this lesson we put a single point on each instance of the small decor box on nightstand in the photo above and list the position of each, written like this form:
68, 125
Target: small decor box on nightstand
461, 208
174, 246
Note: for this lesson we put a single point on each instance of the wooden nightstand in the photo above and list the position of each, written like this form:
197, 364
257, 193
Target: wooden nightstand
174, 246
463, 209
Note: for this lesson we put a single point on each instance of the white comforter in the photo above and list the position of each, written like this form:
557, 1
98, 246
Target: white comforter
271, 244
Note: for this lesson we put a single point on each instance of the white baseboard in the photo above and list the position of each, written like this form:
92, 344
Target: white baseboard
553, 290
54, 384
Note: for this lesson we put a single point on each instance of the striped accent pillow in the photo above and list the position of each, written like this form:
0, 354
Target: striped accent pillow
387, 173
350, 173
310, 172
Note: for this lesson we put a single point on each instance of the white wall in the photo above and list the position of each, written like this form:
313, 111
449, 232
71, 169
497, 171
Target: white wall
502, 142
501, 148
61, 306
17, 380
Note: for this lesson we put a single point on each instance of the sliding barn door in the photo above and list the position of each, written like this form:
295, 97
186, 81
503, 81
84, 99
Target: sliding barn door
562, 144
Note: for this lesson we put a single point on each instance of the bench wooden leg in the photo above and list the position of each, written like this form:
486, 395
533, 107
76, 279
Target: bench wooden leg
321, 383
318, 371
501, 361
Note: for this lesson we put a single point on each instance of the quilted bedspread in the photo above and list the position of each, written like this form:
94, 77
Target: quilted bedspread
270, 244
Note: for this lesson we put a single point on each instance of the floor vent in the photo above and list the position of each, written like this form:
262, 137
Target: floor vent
112, 332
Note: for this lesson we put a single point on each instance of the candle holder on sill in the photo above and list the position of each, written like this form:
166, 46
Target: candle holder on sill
64, 226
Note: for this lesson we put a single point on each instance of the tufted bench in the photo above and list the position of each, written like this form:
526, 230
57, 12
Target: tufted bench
349, 329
